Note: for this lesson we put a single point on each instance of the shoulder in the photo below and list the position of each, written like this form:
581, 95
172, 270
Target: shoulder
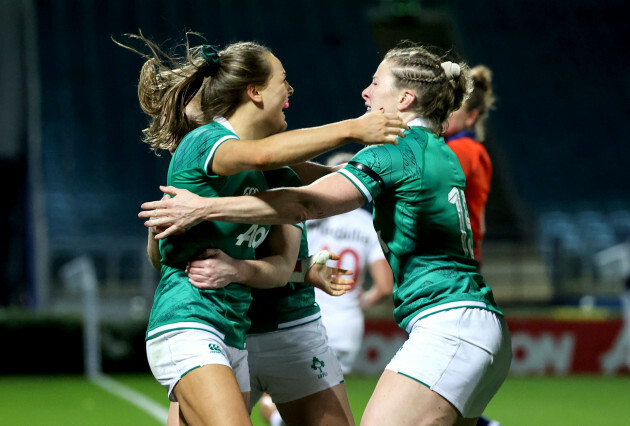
212, 131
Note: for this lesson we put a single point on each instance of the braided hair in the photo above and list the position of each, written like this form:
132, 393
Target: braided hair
440, 87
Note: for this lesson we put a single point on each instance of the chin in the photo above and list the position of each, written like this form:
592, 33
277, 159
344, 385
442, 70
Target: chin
282, 126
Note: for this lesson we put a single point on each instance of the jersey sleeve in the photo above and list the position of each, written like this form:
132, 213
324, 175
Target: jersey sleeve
213, 149
370, 171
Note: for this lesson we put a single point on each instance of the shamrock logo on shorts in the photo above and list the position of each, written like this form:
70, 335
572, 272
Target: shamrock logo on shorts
317, 364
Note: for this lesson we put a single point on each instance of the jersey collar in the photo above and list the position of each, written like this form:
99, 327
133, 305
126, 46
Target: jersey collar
225, 123
419, 122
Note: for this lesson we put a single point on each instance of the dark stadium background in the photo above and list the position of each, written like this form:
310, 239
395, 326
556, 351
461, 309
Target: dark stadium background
75, 172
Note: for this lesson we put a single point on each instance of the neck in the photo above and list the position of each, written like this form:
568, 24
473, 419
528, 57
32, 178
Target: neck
246, 123
407, 116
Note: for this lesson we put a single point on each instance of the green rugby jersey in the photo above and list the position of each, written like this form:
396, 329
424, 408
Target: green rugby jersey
291, 305
421, 218
178, 304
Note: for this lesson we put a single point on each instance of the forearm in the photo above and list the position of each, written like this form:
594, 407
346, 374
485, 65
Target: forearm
300, 145
273, 270
283, 206
265, 273
331, 195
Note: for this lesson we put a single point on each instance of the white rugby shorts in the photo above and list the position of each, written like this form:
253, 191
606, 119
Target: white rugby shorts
292, 363
462, 354
173, 354
345, 335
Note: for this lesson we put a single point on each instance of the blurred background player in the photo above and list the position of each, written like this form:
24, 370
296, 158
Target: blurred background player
465, 135
352, 236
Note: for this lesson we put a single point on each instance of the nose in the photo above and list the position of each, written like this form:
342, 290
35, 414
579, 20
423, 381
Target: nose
364, 94
291, 91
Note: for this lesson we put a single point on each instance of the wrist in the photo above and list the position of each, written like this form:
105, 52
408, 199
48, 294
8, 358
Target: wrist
244, 271
206, 209
303, 266
352, 129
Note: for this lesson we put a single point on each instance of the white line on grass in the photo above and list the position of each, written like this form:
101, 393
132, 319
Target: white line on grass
136, 398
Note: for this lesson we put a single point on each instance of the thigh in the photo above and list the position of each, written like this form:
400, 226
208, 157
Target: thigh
399, 400
461, 354
210, 395
172, 355
327, 407
173, 414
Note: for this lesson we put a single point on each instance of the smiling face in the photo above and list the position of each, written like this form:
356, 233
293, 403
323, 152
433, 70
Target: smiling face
382, 92
275, 97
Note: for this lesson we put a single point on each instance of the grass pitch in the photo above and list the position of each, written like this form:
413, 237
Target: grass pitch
73, 400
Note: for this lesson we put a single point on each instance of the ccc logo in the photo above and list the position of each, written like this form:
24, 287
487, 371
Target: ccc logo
250, 190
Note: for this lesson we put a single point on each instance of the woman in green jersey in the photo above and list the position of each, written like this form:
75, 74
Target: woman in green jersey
287, 345
195, 338
458, 352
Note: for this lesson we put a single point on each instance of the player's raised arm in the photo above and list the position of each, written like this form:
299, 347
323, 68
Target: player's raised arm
295, 146
330, 195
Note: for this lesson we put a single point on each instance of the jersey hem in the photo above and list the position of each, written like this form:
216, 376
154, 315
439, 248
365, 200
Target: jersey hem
291, 324
155, 332
414, 379
446, 307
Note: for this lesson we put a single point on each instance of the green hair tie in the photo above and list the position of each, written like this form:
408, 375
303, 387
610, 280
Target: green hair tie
211, 56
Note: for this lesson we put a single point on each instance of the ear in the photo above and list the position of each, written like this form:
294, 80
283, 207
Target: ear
254, 93
407, 98
471, 118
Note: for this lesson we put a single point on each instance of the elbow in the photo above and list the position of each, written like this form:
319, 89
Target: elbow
263, 160
302, 210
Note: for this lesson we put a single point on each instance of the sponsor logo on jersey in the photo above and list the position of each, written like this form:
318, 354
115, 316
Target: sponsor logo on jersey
250, 190
318, 364
215, 349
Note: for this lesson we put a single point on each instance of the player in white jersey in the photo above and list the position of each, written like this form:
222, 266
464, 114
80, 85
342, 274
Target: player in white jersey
352, 236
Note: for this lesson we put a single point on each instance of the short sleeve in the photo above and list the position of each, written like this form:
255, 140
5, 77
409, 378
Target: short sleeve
213, 150
369, 170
